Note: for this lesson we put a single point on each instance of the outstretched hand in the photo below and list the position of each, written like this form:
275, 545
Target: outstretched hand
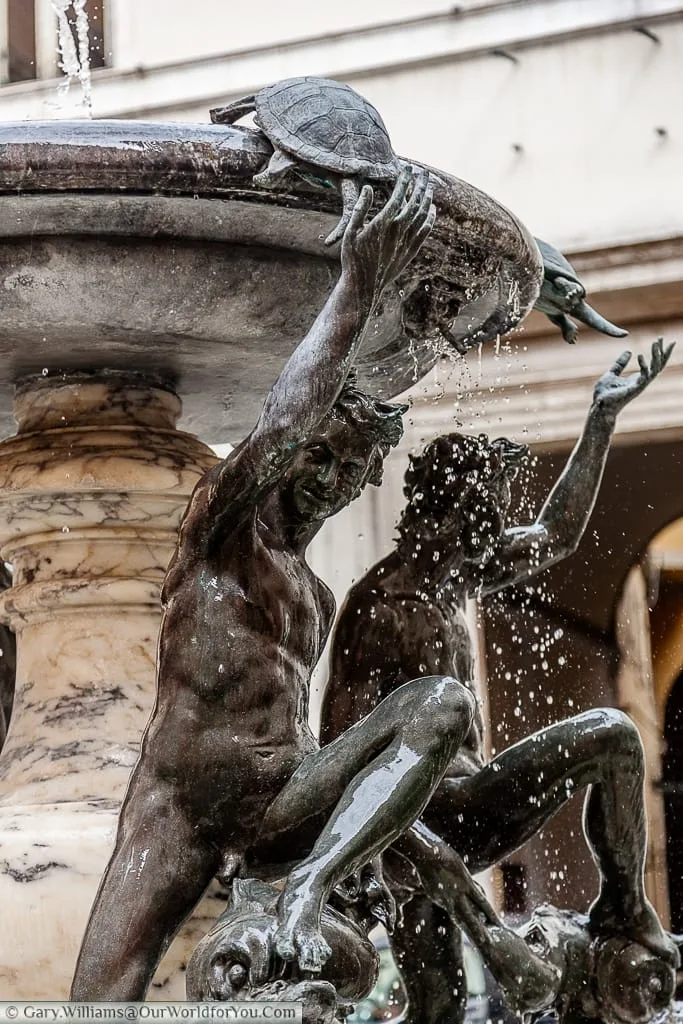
613, 391
374, 254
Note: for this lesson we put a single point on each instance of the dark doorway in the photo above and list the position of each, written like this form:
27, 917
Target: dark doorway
21, 40
672, 784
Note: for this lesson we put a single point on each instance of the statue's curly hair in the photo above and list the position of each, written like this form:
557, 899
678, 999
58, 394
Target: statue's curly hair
456, 471
381, 422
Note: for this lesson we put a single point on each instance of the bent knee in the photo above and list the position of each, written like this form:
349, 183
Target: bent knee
613, 732
448, 705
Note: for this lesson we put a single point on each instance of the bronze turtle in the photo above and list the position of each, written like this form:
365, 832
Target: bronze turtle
317, 125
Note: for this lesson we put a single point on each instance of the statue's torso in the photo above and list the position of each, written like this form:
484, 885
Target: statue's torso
242, 630
387, 635
444, 646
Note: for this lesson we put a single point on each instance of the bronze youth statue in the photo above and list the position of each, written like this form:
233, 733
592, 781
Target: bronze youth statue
406, 618
228, 762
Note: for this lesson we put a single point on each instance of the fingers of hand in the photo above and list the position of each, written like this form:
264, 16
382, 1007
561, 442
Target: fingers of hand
360, 210
656, 356
395, 203
620, 363
426, 205
414, 217
418, 238
421, 189
667, 352
417, 196
644, 368
428, 222
660, 355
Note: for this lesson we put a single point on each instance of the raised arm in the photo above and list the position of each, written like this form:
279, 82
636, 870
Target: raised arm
526, 550
372, 256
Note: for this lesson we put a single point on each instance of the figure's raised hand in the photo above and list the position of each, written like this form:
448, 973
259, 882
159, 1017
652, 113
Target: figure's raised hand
613, 391
374, 254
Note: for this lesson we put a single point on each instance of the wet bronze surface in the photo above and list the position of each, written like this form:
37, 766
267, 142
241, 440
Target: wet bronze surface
229, 769
408, 616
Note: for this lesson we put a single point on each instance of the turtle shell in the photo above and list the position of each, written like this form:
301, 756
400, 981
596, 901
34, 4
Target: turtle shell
554, 263
329, 125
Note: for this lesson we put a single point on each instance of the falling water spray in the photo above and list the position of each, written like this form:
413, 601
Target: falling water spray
74, 49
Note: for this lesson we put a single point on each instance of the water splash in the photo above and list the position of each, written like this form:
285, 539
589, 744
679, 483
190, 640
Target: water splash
74, 50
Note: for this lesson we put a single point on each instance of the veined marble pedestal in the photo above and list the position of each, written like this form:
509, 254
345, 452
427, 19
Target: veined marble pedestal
92, 488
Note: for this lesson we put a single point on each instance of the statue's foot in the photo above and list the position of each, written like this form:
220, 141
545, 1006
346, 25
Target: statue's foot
298, 936
643, 927
304, 943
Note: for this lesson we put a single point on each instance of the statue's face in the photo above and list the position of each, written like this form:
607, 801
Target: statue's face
330, 471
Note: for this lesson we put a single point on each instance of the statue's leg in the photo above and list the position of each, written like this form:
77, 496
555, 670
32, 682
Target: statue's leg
279, 166
571, 291
490, 815
530, 982
375, 779
156, 875
427, 947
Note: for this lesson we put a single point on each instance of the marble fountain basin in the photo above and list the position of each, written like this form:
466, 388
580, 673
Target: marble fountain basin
128, 245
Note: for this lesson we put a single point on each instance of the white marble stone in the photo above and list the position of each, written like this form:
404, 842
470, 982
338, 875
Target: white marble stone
92, 488
51, 859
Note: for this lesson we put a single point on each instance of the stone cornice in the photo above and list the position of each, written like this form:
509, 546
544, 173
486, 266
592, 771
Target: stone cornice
537, 389
541, 395
468, 29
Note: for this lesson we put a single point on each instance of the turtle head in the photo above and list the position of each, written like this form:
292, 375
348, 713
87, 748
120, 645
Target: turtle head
562, 293
589, 316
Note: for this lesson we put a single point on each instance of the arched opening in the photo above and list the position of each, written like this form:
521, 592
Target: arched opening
672, 785
664, 565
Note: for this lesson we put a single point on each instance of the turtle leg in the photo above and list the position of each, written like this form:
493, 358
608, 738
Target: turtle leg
572, 292
234, 111
350, 192
568, 327
278, 167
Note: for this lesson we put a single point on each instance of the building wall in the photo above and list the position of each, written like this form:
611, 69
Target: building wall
162, 31
559, 108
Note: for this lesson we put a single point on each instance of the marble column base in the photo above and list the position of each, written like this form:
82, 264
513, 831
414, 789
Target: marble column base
92, 489
51, 860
